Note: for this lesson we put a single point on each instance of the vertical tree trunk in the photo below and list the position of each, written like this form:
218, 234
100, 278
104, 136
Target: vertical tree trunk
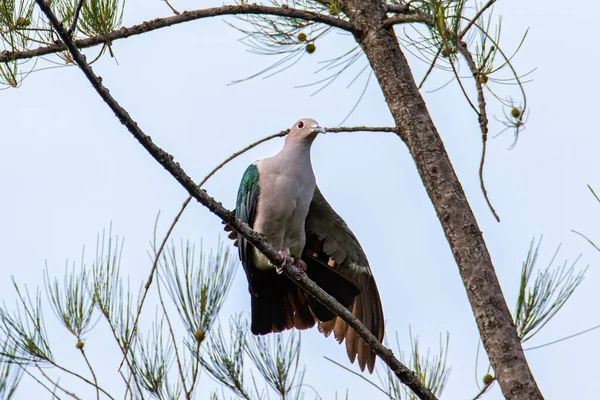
416, 128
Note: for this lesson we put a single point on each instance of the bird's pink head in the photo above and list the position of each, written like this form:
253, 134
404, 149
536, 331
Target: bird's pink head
305, 129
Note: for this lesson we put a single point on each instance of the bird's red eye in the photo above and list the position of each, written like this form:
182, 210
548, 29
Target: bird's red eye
301, 124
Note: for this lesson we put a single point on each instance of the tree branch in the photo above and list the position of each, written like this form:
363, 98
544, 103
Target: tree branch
185, 16
87, 361
494, 321
482, 117
474, 19
408, 377
76, 17
407, 19
397, 8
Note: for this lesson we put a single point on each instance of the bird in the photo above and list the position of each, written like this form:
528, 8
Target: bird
279, 198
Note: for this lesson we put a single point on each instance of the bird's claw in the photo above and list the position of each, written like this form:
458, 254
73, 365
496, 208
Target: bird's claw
300, 265
287, 261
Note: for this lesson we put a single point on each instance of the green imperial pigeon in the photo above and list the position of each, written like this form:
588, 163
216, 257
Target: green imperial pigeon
278, 197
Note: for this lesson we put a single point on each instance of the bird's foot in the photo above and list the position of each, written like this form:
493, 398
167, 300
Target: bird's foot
300, 265
287, 261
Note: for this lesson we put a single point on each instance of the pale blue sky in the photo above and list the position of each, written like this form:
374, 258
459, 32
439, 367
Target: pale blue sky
69, 169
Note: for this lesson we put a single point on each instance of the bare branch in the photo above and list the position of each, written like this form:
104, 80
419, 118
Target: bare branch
258, 241
76, 17
172, 8
408, 19
397, 9
482, 117
87, 361
474, 19
484, 389
185, 16
55, 383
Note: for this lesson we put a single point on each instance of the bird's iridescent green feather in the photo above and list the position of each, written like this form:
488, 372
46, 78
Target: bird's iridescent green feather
248, 184
245, 210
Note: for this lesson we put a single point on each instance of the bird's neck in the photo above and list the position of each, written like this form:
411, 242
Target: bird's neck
296, 152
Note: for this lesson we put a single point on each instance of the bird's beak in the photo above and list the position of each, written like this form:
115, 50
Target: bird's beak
318, 129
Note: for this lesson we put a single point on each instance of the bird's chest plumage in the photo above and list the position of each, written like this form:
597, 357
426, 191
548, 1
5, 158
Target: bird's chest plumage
286, 191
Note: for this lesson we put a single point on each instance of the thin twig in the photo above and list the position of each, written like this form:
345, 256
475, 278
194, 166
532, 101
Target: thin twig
128, 390
362, 129
52, 392
474, 19
75, 374
356, 374
186, 16
594, 193
171, 7
73, 395
171, 331
431, 66
259, 241
76, 17
92, 371
586, 238
482, 117
124, 351
484, 389
563, 339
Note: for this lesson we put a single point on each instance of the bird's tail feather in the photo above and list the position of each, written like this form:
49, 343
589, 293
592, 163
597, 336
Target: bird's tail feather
278, 306
332, 282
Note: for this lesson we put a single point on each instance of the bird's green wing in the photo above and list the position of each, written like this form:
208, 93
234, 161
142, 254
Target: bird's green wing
245, 210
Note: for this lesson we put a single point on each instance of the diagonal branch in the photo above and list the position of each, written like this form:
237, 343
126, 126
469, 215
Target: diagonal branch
408, 377
185, 16
76, 17
474, 19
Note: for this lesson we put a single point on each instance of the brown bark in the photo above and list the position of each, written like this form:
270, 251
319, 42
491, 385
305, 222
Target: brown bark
416, 128
186, 16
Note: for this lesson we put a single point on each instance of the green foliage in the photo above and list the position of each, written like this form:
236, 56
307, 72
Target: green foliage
197, 283
15, 22
98, 17
16, 33
285, 37
24, 330
430, 368
198, 288
446, 15
112, 297
277, 359
539, 300
10, 374
72, 302
225, 359
155, 356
